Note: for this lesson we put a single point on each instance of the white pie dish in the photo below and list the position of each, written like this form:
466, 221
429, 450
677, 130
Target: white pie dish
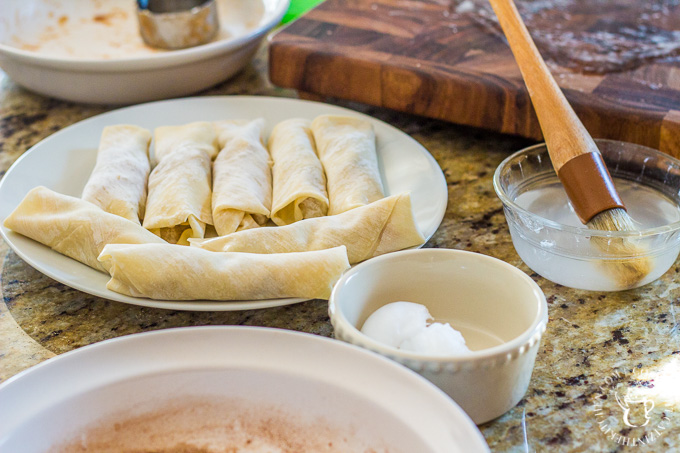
501, 312
307, 376
63, 162
91, 52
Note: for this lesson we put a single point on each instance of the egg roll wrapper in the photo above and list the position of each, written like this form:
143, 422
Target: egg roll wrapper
299, 183
200, 136
118, 181
178, 205
383, 226
73, 227
347, 150
167, 271
242, 180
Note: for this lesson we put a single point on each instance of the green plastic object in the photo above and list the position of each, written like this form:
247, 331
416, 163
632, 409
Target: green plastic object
297, 8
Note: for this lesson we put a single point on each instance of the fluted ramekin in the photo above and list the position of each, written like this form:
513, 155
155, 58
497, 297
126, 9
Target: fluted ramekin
501, 312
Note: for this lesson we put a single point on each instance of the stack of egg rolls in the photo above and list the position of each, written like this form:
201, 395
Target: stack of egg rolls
317, 181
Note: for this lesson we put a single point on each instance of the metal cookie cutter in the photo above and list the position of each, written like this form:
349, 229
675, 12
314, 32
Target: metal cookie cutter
176, 24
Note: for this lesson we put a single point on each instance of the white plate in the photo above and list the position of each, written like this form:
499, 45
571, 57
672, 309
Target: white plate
64, 160
350, 388
91, 51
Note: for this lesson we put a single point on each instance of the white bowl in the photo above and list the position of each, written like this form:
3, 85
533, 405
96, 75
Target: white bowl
287, 381
500, 311
91, 52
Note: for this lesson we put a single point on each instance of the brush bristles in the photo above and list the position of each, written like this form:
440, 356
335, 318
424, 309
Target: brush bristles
616, 219
629, 271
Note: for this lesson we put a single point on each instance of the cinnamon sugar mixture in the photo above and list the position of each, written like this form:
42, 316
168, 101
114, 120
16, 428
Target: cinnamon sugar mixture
105, 29
201, 425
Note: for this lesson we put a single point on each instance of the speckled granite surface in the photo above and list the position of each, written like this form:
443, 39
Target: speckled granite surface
595, 343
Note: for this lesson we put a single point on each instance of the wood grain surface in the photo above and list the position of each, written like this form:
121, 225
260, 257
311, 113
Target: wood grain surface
422, 57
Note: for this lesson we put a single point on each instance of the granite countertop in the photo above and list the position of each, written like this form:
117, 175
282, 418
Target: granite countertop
593, 342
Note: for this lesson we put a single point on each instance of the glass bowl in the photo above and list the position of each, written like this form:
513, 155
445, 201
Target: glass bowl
550, 239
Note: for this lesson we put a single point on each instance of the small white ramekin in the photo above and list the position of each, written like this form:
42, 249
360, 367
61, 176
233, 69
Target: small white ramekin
500, 311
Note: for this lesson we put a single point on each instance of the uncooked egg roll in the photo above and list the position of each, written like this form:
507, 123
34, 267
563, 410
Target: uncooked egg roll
242, 180
383, 226
119, 178
178, 206
299, 184
347, 150
190, 273
73, 227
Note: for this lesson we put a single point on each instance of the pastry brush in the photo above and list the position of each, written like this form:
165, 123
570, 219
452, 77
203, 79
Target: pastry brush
574, 154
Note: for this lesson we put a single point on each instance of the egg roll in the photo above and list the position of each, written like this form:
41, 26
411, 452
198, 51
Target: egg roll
383, 226
178, 205
299, 184
242, 180
200, 135
167, 271
347, 150
73, 227
118, 181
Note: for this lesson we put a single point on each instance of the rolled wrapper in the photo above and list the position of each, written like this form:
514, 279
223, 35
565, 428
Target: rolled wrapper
73, 227
299, 184
166, 271
119, 178
200, 135
383, 226
178, 206
346, 147
242, 180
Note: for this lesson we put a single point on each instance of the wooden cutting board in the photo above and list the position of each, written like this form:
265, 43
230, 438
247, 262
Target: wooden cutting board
425, 57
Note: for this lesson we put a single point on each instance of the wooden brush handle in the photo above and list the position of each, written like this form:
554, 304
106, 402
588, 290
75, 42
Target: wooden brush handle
573, 152
564, 133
